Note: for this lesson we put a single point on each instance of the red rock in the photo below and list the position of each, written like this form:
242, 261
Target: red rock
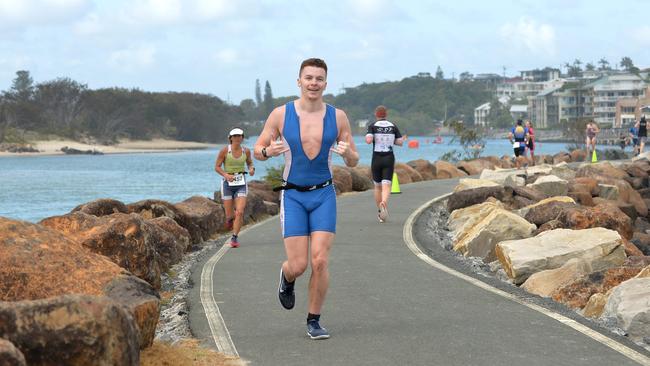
342, 179
207, 215
102, 207
424, 167
445, 170
406, 174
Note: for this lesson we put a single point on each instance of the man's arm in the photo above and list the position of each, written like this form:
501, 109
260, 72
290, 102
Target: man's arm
346, 147
267, 140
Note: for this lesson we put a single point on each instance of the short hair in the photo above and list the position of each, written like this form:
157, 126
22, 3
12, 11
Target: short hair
315, 62
519, 122
381, 112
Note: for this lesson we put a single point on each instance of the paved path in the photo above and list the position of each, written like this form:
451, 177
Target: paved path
385, 306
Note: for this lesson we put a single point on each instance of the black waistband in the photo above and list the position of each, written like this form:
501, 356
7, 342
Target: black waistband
289, 185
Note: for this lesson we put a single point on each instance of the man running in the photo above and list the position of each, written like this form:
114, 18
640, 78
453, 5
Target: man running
642, 126
634, 137
306, 131
234, 186
520, 135
383, 134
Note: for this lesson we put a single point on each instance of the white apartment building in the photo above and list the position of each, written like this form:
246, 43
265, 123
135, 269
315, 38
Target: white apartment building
601, 96
481, 114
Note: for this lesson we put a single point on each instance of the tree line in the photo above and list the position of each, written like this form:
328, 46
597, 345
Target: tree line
67, 108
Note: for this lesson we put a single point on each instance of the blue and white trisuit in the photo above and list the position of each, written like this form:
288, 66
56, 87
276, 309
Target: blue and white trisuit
303, 212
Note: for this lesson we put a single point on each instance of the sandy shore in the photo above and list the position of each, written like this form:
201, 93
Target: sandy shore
53, 147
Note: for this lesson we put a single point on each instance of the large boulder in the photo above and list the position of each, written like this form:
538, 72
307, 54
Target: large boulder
360, 179
601, 169
563, 171
150, 209
10, 355
406, 174
37, 262
543, 283
628, 305
470, 183
265, 190
576, 294
71, 330
102, 207
180, 234
587, 184
203, 212
126, 239
342, 179
546, 210
474, 196
578, 155
499, 225
424, 167
551, 185
446, 170
601, 248
476, 166
463, 219
502, 176
603, 215
169, 250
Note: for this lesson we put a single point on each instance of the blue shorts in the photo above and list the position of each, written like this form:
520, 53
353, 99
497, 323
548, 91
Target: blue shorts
302, 213
229, 192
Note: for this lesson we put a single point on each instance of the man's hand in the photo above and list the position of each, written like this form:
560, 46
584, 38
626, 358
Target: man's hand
276, 148
341, 148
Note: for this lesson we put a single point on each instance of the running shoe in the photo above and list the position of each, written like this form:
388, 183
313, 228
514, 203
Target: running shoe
379, 218
285, 293
234, 243
383, 211
315, 331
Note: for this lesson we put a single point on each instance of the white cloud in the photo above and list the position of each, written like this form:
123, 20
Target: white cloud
641, 35
22, 13
226, 56
91, 24
133, 58
527, 33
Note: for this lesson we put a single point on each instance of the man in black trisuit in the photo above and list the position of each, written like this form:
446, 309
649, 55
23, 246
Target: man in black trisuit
383, 134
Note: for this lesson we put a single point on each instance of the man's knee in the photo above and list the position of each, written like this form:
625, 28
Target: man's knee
297, 267
319, 264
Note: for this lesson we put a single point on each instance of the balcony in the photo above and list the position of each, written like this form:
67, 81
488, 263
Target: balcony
605, 110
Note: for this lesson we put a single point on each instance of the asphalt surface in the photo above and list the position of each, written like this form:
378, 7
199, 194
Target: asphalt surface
385, 306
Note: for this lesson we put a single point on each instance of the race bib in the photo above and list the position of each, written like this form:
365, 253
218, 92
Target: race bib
515, 145
237, 180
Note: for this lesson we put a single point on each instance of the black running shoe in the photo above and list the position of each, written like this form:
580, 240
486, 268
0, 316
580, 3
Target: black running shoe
285, 293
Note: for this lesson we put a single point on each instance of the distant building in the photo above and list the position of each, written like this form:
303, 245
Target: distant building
519, 111
630, 110
481, 114
490, 80
543, 108
539, 75
423, 75
603, 94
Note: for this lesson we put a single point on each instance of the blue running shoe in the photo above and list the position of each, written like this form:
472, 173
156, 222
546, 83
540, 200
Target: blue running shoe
315, 331
285, 293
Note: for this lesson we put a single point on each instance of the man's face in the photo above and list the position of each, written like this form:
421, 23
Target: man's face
312, 82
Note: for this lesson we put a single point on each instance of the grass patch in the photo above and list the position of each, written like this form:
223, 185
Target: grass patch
185, 353
166, 297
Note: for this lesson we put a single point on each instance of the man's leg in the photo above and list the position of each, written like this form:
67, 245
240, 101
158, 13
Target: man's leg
321, 242
297, 249
378, 193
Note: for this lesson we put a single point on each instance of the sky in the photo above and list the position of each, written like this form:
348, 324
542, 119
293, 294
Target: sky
221, 47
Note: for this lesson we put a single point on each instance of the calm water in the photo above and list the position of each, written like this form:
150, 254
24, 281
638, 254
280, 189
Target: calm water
32, 188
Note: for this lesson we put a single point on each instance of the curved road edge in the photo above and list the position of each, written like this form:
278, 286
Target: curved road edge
410, 242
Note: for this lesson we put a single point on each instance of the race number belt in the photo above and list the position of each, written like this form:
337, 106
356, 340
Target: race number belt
237, 179
288, 185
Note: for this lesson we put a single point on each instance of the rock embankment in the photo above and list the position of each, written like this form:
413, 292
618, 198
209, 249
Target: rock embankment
577, 234
83, 288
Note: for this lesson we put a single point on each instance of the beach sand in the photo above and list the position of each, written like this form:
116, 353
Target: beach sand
53, 147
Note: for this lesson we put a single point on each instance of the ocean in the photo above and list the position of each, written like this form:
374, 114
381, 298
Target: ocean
32, 188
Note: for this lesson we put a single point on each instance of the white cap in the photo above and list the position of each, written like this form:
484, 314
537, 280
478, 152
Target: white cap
236, 131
